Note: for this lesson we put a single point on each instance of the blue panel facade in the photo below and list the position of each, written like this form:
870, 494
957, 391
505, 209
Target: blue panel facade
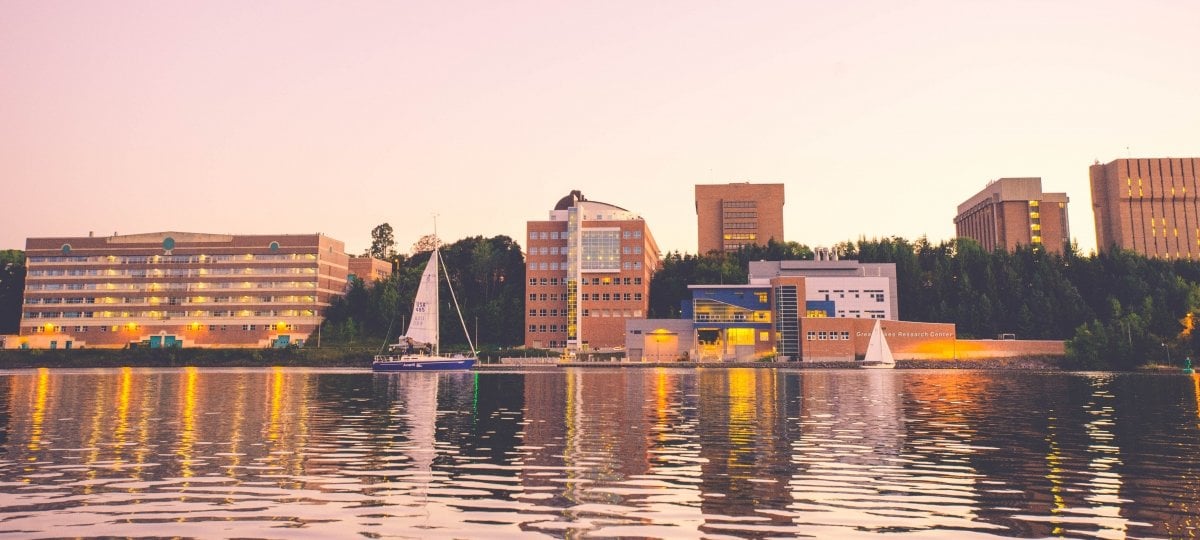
828, 306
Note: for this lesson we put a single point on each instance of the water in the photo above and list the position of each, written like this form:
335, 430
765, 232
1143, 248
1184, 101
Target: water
739, 453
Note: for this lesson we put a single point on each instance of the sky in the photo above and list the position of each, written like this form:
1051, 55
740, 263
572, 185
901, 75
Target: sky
296, 116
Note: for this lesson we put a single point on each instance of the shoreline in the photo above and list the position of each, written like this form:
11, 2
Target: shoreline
361, 358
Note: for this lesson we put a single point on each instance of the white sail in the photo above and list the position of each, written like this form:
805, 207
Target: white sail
424, 325
878, 352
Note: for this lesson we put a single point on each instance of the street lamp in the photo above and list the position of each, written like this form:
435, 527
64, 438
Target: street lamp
1164, 345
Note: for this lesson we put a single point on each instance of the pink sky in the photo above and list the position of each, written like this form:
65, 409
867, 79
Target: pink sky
293, 117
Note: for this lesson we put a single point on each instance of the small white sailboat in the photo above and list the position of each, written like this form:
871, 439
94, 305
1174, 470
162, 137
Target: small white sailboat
417, 349
879, 355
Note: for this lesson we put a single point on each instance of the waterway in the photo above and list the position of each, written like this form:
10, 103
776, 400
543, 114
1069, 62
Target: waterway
573, 453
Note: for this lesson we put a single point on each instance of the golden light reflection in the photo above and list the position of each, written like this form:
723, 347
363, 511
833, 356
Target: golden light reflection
742, 414
39, 410
276, 403
1196, 384
187, 432
123, 393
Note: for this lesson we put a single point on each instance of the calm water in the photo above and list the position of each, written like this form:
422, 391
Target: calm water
587, 453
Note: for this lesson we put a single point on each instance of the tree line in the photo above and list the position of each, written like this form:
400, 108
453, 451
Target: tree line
1117, 310
488, 276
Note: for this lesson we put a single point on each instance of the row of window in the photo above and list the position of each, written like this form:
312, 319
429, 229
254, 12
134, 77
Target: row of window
605, 297
557, 250
587, 265
740, 225
564, 235
739, 204
171, 300
116, 328
172, 259
534, 328
828, 336
173, 272
168, 286
166, 314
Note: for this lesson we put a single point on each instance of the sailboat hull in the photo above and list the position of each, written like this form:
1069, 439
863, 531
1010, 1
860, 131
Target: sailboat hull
388, 364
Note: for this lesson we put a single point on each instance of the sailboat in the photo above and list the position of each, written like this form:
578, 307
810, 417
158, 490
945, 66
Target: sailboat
879, 355
417, 349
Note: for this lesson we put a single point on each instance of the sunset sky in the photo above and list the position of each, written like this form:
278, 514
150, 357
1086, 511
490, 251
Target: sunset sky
299, 117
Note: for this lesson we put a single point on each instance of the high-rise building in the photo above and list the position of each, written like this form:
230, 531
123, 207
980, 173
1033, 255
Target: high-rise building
1014, 211
176, 289
589, 269
1148, 205
729, 216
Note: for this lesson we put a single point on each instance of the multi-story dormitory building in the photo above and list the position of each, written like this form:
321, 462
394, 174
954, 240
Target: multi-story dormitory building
174, 289
588, 268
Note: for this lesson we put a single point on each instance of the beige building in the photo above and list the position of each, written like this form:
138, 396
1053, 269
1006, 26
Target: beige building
1149, 206
588, 269
1014, 211
729, 216
369, 269
177, 289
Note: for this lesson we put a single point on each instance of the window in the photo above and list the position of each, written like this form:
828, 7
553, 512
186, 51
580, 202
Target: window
822, 335
542, 312
637, 281
637, 296
532, 297
607, 297
533, 328
533, 281
542, 328
628, 297
533, 313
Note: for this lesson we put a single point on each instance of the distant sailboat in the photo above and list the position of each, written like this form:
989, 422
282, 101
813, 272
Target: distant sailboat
879, 355
417, 349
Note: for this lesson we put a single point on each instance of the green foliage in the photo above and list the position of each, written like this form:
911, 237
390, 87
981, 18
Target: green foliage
12, 289
489, 281
1118, 310
383, 242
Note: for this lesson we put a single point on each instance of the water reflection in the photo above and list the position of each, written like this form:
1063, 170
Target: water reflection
748, 453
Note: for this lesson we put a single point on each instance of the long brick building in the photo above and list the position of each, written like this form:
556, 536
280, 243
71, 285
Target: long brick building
177, 289
1148, 205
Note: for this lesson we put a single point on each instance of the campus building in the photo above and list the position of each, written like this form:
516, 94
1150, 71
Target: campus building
1014, 211
588, 268
369, 269
177, 289
729, 216
1149, 206
809, 311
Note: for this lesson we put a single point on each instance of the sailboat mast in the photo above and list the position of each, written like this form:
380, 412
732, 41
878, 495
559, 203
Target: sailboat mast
437, 306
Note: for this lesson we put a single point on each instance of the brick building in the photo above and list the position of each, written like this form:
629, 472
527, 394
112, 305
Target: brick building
369, 269
176, 289
588, 269
729, 216
1014, 211
1148, 205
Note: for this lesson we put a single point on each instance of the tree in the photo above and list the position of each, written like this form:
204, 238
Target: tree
12, 289
383, 242
425, 244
